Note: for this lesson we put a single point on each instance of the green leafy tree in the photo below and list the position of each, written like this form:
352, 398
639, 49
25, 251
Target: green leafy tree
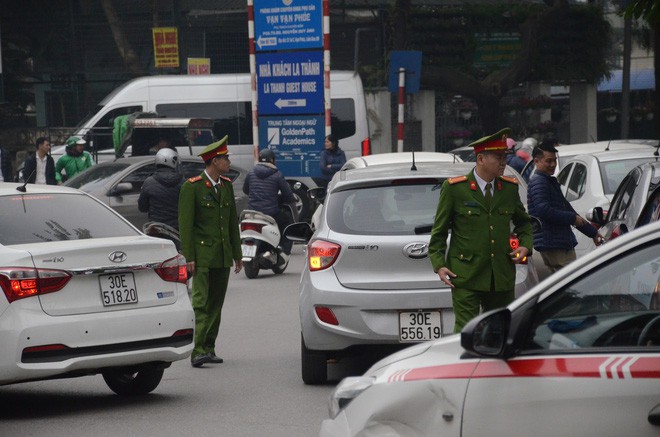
556, 42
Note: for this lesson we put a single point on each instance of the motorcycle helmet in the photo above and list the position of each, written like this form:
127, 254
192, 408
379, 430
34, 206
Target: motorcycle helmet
168, 158
266, 155
528, 144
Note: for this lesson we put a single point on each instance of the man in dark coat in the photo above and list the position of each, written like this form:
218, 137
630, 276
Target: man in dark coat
267, 190
479, 263
555, 240
39, 167
159, 196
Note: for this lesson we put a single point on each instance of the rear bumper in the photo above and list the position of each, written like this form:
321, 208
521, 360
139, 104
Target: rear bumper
93, 341
366, 317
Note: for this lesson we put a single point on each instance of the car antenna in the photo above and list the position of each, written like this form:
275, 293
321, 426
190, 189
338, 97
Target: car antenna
22, 188
657, 148
414, 167
608, 145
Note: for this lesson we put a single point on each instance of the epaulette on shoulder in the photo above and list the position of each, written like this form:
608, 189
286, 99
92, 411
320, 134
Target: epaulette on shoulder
225, 178
194, 179
509, 179
457, 179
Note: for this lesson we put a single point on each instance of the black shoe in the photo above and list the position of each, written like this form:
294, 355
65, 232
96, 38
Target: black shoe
199, 360
213, 358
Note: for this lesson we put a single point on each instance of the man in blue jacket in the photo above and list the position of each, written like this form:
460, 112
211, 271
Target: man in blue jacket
555, 240
267, 190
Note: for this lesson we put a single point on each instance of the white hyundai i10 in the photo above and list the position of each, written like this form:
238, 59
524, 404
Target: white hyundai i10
84, 292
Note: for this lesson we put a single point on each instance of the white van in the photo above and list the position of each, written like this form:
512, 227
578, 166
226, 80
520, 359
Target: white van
226, 98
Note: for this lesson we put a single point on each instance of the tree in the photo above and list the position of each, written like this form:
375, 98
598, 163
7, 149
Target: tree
130, 58
557, 42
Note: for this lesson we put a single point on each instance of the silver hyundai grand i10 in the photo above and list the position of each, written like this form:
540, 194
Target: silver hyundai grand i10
368, 284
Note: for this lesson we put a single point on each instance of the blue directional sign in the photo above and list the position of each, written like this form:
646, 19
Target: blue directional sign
287, 24
290, 83
297, 142
412, 62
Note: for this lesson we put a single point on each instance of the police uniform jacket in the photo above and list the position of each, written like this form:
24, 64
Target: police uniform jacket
479, 246
208, 224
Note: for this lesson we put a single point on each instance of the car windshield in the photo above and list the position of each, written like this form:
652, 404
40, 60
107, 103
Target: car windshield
96, 176
37, 218
608, 307
613, 172
400, 208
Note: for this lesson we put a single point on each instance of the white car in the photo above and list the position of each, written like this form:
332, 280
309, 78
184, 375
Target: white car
567, 151
368, 284
578, 355
589, 181
84, 292
393, 158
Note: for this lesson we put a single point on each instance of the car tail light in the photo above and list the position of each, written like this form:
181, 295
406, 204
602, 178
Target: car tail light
173, 270
326, 315
249, 226
20, 282
322, 254
366, 146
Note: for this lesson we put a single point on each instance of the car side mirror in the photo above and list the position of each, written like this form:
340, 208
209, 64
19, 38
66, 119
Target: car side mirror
300, 232
317, 194
597, 216
486, 335
121, 188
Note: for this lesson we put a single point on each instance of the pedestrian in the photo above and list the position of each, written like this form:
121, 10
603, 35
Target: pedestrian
211, 243
554, 240
331, 160
159, 196
39, 167
162, 143
267, 190
513, 159
478, 208
74, 161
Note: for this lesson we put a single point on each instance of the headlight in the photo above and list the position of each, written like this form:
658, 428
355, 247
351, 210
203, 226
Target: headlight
347, 390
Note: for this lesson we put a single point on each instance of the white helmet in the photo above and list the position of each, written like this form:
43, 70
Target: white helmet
167, 157
528, 144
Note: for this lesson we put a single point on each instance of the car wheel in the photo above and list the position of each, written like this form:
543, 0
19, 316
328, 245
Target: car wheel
314, 365
134, 380
303, 203
251, 269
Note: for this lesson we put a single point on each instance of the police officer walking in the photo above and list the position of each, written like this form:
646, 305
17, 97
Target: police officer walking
478, 208
210, 239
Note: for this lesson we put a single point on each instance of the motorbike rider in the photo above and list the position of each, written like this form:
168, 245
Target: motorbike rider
267, 189
159, 196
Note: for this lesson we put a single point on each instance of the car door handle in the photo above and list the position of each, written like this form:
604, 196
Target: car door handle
654, 416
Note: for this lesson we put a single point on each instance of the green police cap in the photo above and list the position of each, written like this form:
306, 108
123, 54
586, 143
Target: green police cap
215, 149
491, 143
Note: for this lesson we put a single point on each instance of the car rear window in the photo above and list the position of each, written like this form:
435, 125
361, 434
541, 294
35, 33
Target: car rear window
613, 172
36, 218
400, 208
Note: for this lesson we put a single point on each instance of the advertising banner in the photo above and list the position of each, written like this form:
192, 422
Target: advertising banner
166, 47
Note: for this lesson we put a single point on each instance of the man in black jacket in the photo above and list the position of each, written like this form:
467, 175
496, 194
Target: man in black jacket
39, 167
159, 196
266, 188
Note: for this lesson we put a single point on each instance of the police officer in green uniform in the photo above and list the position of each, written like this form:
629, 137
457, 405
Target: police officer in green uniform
210, 241
478, 208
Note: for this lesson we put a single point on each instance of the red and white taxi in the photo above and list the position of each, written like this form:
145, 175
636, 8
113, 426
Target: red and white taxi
579, 354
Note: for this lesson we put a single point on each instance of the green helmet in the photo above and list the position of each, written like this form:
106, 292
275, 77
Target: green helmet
72, 141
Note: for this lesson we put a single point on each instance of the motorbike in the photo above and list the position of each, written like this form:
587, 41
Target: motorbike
260, 238
162, 230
